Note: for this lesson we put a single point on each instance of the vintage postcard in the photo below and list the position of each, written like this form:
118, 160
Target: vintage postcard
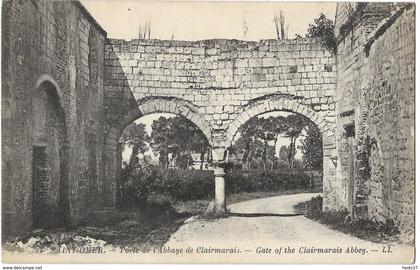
208, 132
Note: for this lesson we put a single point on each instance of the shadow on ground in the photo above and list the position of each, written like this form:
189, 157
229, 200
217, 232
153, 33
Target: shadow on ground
263, 215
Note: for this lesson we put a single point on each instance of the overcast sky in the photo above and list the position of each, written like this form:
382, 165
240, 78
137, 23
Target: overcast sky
204, 20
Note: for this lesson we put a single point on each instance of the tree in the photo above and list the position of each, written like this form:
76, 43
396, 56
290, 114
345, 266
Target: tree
277, 126
265, 134
259, 136
323, 28
281, 28
284, 153
200, 144
312, 148
256, 138
271, 156
179, 137
253, 141
295, 124
161, 138
136, 137
248, 134
144, 30
189, 138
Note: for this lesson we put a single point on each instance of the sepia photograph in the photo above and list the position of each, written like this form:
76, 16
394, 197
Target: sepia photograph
200, 132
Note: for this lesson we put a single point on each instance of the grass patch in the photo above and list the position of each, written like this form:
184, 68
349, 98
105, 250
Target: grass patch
191, 207
374, 231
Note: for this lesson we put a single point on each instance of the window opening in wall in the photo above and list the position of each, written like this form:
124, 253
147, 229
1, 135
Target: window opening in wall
349, 130
347, 118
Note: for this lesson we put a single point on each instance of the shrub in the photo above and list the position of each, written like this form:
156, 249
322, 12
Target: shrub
265, 180
185, 185
155, 185
372, 230
159, 200
314, 207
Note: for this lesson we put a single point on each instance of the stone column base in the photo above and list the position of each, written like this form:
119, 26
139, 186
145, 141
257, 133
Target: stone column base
219, 190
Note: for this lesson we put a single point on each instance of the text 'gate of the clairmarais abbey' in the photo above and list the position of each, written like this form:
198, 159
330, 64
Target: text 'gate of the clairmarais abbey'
68, 92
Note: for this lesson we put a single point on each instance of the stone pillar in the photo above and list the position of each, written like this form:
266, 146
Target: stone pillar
219, 190
219, 154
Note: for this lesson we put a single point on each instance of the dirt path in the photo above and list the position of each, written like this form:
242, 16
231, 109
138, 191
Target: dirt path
263, 231
279, 227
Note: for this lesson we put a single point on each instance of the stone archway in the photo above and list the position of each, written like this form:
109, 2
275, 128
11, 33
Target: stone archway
50, 156
277, 104
146, 106
167, 105
290, 105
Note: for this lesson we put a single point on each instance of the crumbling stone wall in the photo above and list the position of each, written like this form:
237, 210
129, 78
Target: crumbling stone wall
375, 95
209, 72
219, 85
53, 99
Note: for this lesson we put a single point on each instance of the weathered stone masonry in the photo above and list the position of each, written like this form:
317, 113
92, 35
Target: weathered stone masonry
220, 84
52, 113
375, 98
68, 92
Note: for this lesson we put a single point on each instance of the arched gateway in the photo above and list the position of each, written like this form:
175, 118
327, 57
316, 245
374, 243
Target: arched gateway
219, 85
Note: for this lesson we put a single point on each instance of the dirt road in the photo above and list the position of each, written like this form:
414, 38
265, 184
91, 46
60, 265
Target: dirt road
264, 225
263, 231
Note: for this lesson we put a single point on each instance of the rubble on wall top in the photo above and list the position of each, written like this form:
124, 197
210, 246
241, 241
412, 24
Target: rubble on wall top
210, 43
384, 25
